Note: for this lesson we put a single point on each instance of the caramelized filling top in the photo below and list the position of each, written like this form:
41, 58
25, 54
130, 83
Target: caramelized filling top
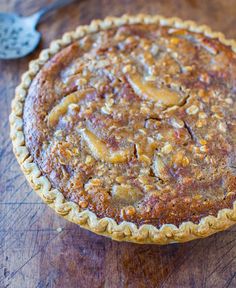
138, 123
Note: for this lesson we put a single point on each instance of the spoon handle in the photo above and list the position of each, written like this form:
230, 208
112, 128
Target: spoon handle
53, 6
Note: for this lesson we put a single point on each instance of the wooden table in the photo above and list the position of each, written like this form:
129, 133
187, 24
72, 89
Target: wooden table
34, 251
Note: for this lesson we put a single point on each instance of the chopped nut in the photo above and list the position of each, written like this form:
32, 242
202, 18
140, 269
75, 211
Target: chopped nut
187, 199
83, 203
98, 85
145, 110
95, 182
154, 49
202, 115
201, 123
196, 149
174, 40
85, 72
145, 158
209, 136
187, 69
74, 106
88, 111
175, 55
218, 115
207, 159
130, 40
109, 102
58, 133
203, 148
130, 210
127, 68
150, 78
81, 81
202, 142
229, 101
45, 145
120, 179
149, 187
206, 99
222, 127
198, 197
202, 93
177, 158
167, 148
89, 160
192, 110
152, 70
68, 118
177, 123
146, 47
106, 110
185, 161
102, 63
200, 156
159, 136
215, 108
150, 140
180, 159
142, 131
205, 78
143, 179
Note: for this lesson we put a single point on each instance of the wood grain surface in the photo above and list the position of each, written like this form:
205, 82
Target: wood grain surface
34, 250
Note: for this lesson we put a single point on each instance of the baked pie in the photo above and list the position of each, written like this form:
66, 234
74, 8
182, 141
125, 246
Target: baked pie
127, 127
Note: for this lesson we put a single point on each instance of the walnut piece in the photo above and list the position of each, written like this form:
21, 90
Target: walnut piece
159, 168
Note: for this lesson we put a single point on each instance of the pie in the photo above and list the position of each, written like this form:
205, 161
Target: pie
127, 127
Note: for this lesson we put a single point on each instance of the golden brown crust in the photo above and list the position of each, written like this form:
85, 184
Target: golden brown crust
125, 231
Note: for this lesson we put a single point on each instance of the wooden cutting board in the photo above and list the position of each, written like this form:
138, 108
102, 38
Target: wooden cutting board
38, 248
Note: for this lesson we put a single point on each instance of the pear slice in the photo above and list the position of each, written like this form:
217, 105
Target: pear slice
147, 90
61, 108
100, 150
126, 193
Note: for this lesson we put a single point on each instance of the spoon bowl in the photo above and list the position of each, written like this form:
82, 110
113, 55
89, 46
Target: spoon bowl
18, 35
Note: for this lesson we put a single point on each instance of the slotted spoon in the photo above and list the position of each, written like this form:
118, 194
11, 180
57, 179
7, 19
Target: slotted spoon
18, 35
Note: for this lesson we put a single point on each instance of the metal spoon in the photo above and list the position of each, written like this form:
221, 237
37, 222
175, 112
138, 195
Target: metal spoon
18, 36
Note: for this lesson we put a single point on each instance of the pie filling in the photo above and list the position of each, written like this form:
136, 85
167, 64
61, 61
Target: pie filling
137, 123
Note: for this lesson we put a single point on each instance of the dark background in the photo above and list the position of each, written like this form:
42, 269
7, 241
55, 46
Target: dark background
33, 251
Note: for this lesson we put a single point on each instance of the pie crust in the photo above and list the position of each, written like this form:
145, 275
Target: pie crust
124, 231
